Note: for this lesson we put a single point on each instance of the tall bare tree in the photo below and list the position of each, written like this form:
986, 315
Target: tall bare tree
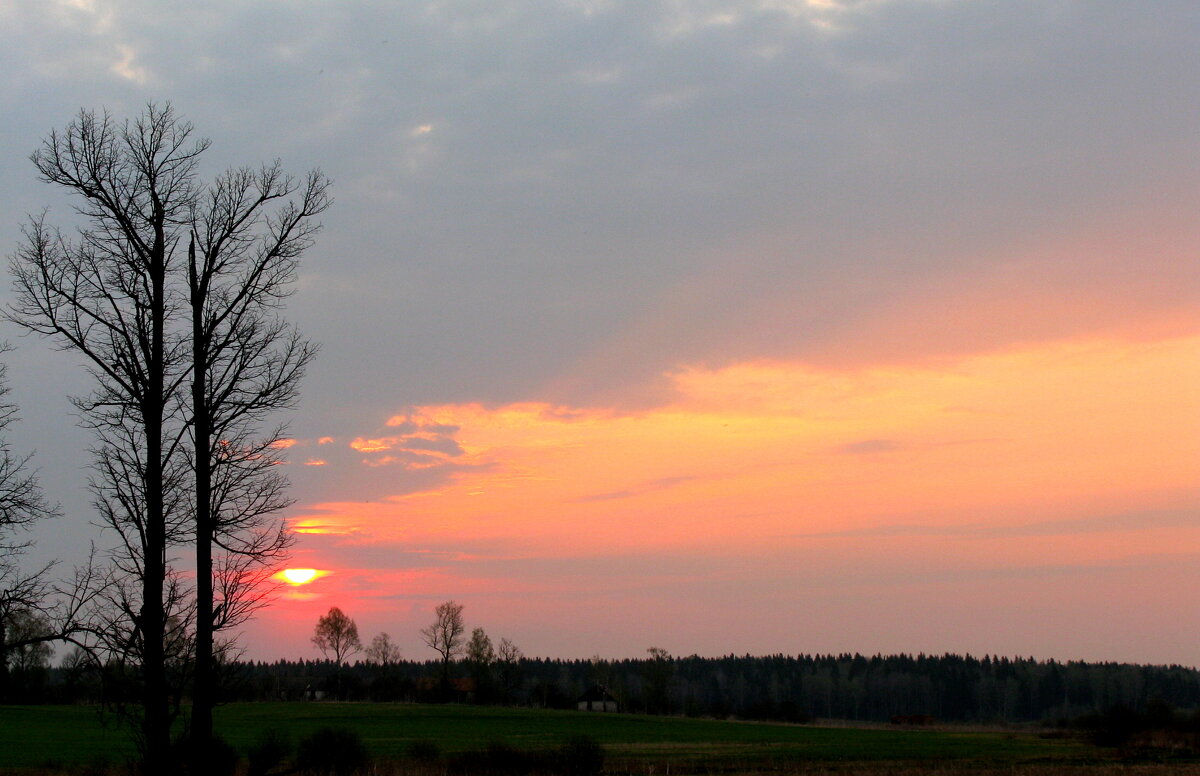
106, 294
171, 292
248, 230
445, 635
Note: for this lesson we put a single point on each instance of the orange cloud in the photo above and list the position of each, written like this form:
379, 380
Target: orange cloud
339, 525
421, 443
372, 445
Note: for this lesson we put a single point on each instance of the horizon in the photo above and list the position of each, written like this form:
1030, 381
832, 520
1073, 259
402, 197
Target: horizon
732, 327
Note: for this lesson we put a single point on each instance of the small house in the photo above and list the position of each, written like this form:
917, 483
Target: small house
597, 699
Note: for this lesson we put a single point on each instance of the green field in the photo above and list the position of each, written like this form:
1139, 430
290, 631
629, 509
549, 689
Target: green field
37, 736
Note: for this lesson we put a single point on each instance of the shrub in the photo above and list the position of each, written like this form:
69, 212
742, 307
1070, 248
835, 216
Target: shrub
335, 751
424, 750
221, 756
268, 752
498, 758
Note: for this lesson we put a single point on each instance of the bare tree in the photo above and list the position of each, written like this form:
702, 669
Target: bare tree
336, 635
29, 595
383, 651
248, 230
107, 295
444, 635
21, 503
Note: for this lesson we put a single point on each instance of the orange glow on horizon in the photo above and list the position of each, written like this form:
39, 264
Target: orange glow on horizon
1065, 467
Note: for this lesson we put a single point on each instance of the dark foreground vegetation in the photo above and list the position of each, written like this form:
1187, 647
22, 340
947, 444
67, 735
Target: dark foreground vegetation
332, 737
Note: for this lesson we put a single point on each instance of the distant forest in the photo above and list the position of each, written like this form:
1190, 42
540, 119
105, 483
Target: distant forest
949, 688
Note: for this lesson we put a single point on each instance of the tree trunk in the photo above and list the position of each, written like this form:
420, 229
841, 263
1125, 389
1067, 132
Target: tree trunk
156, 723
202, 689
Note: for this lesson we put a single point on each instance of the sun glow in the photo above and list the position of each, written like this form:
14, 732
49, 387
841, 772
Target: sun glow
299, 576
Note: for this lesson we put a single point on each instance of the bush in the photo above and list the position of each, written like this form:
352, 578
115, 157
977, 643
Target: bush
497, 759
580, 756
335, 751
221, 756
268, 752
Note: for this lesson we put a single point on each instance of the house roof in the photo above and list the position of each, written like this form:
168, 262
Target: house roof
596, 693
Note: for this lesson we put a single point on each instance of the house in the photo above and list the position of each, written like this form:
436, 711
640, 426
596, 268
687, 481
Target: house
460, 690
597, 699
913, 719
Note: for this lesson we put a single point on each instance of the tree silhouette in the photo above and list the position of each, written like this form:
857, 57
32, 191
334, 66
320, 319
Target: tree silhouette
247, 231
445, 636
107, 295
336, 635
382, 650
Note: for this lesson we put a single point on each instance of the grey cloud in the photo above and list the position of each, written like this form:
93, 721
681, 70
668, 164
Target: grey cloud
583, 167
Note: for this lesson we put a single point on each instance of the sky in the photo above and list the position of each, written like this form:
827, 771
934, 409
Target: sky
722, 326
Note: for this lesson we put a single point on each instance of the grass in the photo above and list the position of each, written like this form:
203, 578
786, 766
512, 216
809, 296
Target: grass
58, 736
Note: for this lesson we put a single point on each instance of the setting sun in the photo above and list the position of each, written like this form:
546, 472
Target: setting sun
299, 576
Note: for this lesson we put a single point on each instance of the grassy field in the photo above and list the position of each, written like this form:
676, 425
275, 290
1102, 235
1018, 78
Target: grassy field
40, 736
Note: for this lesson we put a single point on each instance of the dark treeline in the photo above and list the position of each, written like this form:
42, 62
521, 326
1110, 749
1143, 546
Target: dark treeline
950, 688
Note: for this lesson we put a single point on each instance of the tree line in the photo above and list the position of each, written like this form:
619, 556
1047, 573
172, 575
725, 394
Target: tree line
788, 688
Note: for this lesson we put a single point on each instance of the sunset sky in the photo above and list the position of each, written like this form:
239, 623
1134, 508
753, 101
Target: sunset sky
715, 325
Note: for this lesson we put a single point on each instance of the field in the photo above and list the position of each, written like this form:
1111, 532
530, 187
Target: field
57, 738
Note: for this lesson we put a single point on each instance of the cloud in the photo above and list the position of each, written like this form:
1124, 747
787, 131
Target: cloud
869, 446
126, 68
637, 490
422, 443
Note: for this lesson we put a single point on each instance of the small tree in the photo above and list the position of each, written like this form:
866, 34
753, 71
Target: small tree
383, 651
336, 635
658, 672
479, 648
508, 664
481, 657
444, 635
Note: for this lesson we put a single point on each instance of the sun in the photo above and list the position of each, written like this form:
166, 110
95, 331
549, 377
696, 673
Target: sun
298, 576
